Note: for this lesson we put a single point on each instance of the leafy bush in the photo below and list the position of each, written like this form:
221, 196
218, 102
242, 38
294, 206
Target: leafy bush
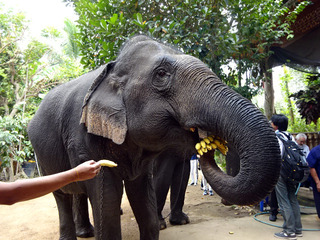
308, 101
14, 141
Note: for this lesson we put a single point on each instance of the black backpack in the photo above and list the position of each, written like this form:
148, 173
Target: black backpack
294, 166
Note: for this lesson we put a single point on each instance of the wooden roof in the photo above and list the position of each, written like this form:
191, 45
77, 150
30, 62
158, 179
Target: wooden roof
307, 21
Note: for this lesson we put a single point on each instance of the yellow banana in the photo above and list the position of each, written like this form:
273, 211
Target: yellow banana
198, 146
107, 163
221, 140
210, 138
217, 142
211, 142
224, 151
222, 148
213, 145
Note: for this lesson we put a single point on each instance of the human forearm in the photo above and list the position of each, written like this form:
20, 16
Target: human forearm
27, 189
315, 177
23, 190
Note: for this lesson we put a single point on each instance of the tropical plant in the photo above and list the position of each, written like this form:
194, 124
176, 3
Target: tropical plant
15, 148
308, 101
71, 48
28, 70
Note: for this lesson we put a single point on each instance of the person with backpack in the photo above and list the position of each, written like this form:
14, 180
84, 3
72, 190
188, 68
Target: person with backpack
286, 187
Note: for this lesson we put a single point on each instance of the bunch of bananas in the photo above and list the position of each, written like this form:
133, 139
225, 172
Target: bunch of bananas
210, 143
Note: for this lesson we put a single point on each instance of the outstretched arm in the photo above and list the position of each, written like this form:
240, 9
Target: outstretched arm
27, 189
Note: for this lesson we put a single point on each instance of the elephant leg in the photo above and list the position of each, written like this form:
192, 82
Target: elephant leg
232, 167
84, 229
163, 172
232, 161
142, 198
67, 227
178, 189
105, 194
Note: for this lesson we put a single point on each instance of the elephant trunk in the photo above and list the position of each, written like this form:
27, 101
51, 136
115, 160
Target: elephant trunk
239, 122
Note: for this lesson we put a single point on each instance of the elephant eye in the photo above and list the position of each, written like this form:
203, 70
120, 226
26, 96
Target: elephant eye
161, 73
161, 79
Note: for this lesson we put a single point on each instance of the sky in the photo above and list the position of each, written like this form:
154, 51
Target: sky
42, 13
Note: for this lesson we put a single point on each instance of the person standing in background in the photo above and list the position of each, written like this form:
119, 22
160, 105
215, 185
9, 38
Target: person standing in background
194, 169
285, 190
301, 140
313, 160
273, 202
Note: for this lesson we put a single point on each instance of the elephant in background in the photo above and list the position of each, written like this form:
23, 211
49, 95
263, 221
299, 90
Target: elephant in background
131, 110
171, 171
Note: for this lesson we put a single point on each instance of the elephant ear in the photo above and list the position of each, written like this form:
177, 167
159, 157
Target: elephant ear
103, 111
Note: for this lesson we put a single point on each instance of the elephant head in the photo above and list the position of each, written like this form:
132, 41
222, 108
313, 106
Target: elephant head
153, 94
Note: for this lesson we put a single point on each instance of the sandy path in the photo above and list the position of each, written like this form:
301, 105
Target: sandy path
38, 219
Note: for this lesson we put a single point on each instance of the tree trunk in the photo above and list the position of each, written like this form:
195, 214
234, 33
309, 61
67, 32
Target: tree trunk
286, 86
268, 92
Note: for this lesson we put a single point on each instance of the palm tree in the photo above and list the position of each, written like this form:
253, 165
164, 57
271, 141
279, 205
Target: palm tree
71, 47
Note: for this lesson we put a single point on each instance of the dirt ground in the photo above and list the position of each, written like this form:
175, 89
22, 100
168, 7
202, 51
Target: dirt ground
38, 219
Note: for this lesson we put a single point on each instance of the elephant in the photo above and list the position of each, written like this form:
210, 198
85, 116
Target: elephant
151, 98
171, 171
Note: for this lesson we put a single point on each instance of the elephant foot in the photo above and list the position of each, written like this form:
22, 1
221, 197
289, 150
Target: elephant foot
67, 237
225, 202
163, 224
179, 219
85, 232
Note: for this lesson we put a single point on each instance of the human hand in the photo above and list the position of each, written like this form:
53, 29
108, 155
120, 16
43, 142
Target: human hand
87, 170
318, 186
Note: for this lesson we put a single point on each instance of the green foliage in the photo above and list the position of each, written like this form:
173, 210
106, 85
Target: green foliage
217, 32
290, 104
308, 101
220, 159
26, 75
103, 29
13, 140
301, 126
50, 32
71, 47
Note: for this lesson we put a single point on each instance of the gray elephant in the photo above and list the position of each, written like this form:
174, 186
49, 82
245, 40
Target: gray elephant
171, 171
150, 99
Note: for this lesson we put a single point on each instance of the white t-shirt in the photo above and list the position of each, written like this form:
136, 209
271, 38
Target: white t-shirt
305, 149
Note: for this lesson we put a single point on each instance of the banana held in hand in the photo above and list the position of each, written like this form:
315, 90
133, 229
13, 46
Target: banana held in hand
107, 163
